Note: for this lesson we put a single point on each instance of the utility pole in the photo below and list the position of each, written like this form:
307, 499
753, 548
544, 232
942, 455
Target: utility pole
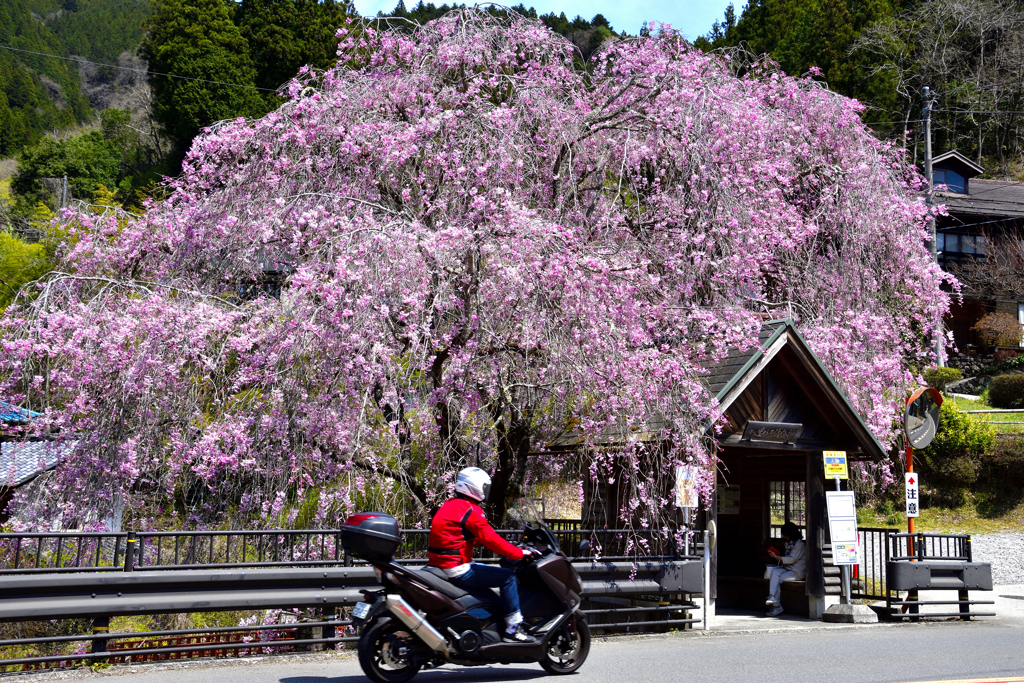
926, 114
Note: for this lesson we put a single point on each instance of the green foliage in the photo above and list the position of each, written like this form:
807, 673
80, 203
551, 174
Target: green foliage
1006, 391
37, 93
800, 35
1003, 477
954, 460
940, 377
20, 263
112, 158
1015, 363
197, 39
285, 35
100, 30
88, 161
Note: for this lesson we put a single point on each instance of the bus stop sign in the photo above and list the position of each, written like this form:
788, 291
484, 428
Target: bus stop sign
921, 419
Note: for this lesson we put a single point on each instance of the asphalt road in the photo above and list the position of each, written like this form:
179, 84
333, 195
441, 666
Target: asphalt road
879, 653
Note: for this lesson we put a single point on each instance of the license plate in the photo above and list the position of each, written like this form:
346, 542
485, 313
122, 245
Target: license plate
361, 610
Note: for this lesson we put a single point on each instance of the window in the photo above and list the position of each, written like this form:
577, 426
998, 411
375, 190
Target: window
952, 243
1020, 319
967, 244
953, 181
786, 503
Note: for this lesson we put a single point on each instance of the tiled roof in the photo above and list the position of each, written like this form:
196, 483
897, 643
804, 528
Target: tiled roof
720, 374
21, 461
986, 198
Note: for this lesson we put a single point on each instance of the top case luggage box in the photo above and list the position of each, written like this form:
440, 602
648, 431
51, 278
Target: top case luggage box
372, 536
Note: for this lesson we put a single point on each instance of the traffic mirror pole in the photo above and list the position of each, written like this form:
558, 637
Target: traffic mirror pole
910, 520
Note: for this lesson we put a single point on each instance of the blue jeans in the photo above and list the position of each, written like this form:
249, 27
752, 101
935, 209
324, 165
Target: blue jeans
487, 576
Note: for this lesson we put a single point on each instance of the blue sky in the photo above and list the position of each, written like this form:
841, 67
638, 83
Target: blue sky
690, 17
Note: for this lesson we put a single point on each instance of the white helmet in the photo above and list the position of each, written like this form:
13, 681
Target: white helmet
474, 483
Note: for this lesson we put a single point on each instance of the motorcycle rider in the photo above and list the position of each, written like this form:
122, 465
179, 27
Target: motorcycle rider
459, 525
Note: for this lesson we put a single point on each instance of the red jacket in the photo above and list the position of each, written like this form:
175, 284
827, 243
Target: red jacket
457, 527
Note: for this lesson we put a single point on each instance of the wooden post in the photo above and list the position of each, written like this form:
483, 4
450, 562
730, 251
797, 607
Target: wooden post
815, 524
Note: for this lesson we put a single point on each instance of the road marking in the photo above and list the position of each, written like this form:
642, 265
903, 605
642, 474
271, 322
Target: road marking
997, 679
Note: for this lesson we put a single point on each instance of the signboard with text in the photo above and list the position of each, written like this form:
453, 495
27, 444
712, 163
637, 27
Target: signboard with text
686, 486
913, 500
835, 465
842, 526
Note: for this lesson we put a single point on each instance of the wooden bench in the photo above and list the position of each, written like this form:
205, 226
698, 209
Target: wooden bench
748, 592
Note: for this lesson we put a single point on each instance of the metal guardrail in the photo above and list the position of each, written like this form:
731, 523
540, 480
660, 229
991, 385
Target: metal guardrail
639, 594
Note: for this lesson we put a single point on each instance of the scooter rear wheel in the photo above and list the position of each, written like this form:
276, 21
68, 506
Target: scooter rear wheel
384, 652
568, 647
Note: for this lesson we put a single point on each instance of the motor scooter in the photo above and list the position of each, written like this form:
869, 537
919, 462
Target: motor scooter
420, 620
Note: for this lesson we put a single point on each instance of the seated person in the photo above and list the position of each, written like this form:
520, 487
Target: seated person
792, 565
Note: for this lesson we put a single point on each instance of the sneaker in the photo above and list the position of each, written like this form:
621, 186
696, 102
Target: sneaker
775, 611
518, 636
769, 603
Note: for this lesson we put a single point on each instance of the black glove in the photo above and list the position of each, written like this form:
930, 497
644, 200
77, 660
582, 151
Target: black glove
531, 554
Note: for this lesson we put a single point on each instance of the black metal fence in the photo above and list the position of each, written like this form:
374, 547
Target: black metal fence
918, 546
169, 550
870, 583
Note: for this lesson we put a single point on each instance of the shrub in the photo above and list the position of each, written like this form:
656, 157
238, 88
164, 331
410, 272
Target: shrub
940, 377
1006, 391
1003, 355
1001, 481
999, 329
955, 457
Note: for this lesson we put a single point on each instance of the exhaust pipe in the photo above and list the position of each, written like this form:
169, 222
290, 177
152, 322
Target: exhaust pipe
417, 624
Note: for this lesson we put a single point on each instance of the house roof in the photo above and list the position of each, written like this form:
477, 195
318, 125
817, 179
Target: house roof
16, 415
731, 378
956, 160
21, 461
990, 198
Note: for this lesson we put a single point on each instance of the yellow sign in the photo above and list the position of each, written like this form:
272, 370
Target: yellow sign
835, 464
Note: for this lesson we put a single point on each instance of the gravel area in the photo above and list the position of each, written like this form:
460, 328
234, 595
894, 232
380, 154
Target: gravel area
1006, 554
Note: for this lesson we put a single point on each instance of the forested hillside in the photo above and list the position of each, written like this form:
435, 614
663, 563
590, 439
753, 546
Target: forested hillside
41, 94
882, 52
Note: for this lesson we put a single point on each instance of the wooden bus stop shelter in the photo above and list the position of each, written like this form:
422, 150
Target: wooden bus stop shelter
782, 410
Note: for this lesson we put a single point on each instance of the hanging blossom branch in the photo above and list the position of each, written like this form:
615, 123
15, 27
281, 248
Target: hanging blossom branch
457, 248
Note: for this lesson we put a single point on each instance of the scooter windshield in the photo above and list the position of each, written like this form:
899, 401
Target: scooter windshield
532, 521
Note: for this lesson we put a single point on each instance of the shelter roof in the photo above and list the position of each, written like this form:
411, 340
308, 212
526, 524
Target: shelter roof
730, 381
785, 349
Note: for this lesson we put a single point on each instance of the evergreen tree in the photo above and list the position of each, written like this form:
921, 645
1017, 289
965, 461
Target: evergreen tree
196, 39
284, 35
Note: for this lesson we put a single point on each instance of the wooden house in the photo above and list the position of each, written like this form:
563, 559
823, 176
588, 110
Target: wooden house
976, 209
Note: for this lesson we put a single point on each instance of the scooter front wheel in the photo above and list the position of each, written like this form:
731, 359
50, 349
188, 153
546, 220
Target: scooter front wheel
568, 647
386, 650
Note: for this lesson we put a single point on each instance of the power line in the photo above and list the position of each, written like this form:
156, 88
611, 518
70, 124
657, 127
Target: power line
79, 60
978, 111
884, 123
